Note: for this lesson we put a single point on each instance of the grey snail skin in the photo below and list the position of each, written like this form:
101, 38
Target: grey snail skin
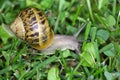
32, 26
63, 42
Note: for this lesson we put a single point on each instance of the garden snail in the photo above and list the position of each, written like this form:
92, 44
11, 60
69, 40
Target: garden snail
32, 26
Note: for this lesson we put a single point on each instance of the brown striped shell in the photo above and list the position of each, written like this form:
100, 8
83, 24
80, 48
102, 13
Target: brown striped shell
32, 26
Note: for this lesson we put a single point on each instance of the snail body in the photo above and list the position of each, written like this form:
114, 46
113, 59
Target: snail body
63, 42
32, 26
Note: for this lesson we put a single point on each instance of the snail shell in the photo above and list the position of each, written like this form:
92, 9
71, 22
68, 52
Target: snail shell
32, 26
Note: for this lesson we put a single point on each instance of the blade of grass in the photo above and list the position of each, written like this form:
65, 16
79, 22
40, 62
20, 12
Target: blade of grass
64, 63
93, 33
9, 68
114, 7
101, 21
90, 10
76, 14
29, 74
6, 47
117, 32
77, 67
86, 70
86, 33
97, 53
18, 54
61, 4
56, 23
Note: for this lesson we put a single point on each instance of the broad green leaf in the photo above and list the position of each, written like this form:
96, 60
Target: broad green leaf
66, 53
33, 3
6, 56
104, 34
89, 55
53, 74
117, 47
45, 4
4, 35
109, 53
61, 4
108, 50
9, 17
87, 60
101, 3
110, 20
100, 40
71, 30
108, 75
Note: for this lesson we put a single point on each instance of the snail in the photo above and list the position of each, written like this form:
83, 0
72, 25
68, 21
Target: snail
32, 26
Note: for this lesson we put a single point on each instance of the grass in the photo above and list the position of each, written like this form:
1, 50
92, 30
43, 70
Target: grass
100, 52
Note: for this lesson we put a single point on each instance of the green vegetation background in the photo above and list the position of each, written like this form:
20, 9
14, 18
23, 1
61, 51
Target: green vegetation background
100, 52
